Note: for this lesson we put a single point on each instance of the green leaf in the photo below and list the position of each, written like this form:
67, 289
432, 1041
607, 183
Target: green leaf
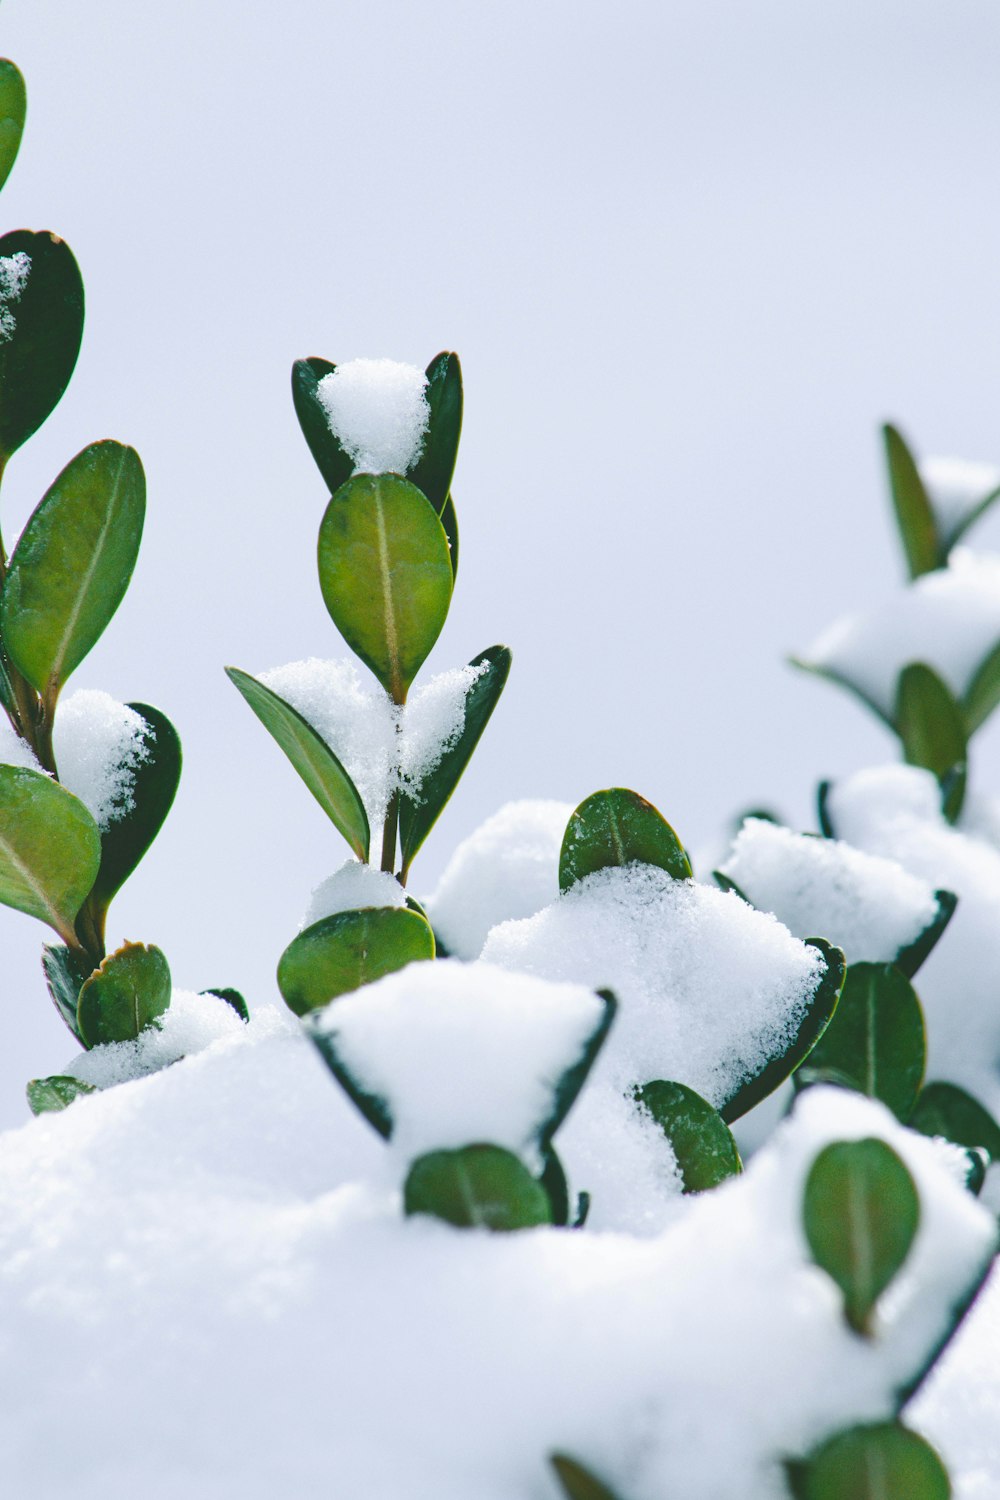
449, 520
433, 471
48, 1095
701, 1140
421, 806
932, 728
13, 107
573, 1078
312, 757
234, 999
476, 1187
349, 949
66, 972
860, 1215
578, 1483
43, 340
50, 849
883, 1461
983, 693
331, 460
945, 1109
553, 1180
128, 993
910, 958
914, 514
385, 574
816, 1018
618, 827
965, 522
877, 1037
72, 564
725, 884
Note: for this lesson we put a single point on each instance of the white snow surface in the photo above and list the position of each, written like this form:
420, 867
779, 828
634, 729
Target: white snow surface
382, 748
955, 487
13, 750
377, 409
351, 888
209, 1290
868, 906
191, 1023
507, 868
99, 744
949, 619
14, 271
461, 1053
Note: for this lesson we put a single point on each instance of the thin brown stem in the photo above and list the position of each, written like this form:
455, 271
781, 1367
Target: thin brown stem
389, 828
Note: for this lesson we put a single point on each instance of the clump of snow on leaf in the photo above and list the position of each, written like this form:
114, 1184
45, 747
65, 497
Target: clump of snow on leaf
14, 271
431, 722
192, 1023
870, 907
956, 488
507, 868
352, 887
13, 750
377, 410
99, 745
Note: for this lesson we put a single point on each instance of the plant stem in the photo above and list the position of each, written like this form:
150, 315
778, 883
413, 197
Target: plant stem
389, 834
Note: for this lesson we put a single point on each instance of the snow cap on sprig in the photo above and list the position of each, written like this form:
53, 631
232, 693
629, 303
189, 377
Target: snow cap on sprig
377, 410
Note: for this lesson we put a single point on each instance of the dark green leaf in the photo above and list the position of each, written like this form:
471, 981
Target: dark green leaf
372, 1106
616, 827
725, 884
433, 471
42, 336
861, 1212
977, 1164
816, 1018
914, 515
13, 107
312, 757
47, 1095
826, 827
349, 949
932, 728
449, 520
910, 958
880, 1462
553, 1180
578, 1483
331, 460
72, 564
65, 975
232, 998
969, 519
50, 849
476, 1187
983, 693
129, 992
385, 575
700, 1139
945, 1109
877, 1038
572, 1079
421, 805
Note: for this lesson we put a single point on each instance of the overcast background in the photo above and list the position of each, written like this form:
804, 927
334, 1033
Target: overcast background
691, 253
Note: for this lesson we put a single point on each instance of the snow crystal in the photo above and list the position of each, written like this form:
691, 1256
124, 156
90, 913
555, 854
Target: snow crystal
949, 619
192, 1023
351, 888
708, 988
13, 750
377, 410
955, 487
509, 867
14, 271
868, 906
99, 745
461, 1052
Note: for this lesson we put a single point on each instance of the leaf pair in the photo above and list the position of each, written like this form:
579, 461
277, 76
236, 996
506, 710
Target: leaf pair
926, 543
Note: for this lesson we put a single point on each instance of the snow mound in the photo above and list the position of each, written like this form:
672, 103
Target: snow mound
351, 888
956, 488
192, 1023
377, 410
99, 745
13, 750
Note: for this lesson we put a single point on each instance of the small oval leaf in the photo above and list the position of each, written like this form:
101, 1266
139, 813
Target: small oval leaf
48, 1095
129, 992
349, 949
618, 827
50, 849
877, 1037
433, 471
914, 514
931, 726
945, 1109
884, 1461
13, 108
233, 999
41, 325
476, 1187
385, 574
860, 1213
700, 1139
331, 460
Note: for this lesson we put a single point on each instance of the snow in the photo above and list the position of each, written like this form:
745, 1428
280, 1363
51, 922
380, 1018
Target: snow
13, 750
190, 1024
955, 487
350, 888
431, 723
868, 906
708, 988
14, 270
99, 744
507, 868
949, 619
378, 412
461, 1052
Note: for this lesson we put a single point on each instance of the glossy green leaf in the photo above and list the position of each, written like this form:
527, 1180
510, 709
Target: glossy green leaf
422, 805
13, 108
617, 827
233, 999
576, 1482
449, 520
877, 1037
50, 849
815, 1019
910, 958
983, 693
331, 460
433, 471
945, 1109
42, 320
349, 949
129, 992
883, 1461
385, 575
476, 1187
312, 757
860, 1213
932, 728
49, 1095
72, 564
66, 972
701, 1140
914, 515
